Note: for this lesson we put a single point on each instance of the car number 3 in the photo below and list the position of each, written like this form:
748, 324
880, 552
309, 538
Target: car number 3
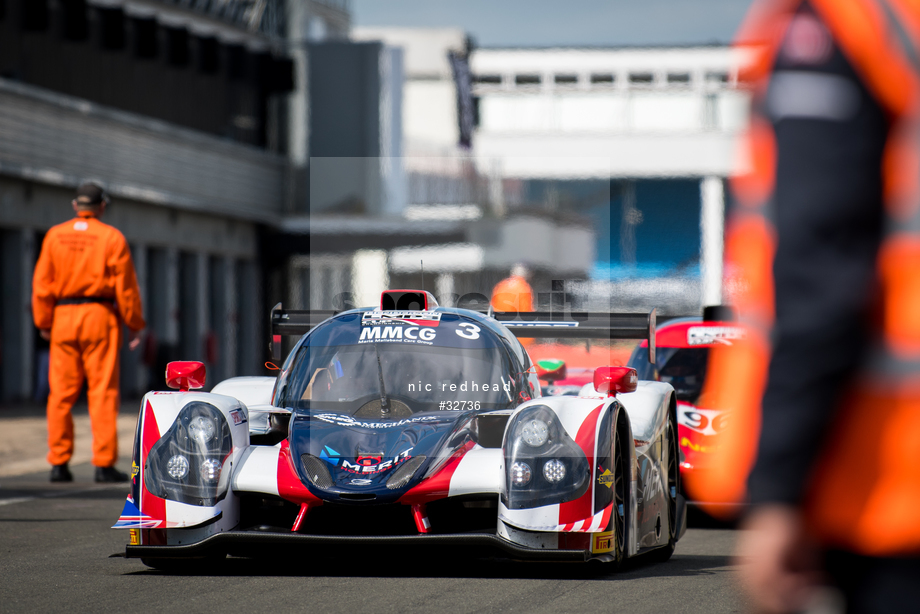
470, 331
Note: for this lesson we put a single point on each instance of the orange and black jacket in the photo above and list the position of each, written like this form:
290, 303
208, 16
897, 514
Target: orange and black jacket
823, 262
827, 217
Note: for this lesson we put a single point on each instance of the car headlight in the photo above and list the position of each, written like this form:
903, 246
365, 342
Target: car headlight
186, 463
554, 470
210, 469
534, 433
201, 429
544, 466
520, 474
177, 467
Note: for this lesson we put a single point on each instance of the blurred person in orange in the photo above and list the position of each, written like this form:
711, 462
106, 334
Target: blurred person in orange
514, 294
83, 289
824, 243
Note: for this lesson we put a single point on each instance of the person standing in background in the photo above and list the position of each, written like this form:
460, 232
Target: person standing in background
83, 289
514, 294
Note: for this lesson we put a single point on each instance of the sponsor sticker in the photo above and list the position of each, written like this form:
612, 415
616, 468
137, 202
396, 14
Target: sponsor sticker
238, 416
606, 479
602, 542
416, 318
374, 464
360, 482
705, 421
343, 420
135, 539
397, 334
696, 447
365, 463
707, 335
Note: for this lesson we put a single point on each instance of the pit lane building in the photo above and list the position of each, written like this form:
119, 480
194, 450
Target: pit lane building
638, 140
192, 114
662, 124
227, 132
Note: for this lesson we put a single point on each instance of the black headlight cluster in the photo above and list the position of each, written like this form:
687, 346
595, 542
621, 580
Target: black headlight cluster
543, 465
185, 465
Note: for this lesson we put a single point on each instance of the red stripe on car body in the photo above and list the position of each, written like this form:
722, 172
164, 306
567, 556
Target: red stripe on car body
581, 508
289, 485
438, 485
151, 505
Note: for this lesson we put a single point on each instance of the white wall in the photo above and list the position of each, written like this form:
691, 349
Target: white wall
430, 124
663, 112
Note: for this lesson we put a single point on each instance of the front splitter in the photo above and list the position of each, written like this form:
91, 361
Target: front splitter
248, 543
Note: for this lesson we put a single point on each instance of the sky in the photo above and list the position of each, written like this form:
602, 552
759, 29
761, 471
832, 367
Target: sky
546, 23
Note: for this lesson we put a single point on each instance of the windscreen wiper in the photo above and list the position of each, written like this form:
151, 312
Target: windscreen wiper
384, 401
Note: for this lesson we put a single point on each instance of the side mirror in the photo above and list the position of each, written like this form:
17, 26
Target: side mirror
612, 380
185, 374
551, 369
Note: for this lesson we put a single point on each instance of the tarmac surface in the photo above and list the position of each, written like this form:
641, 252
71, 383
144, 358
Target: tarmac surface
24, 436
57, 553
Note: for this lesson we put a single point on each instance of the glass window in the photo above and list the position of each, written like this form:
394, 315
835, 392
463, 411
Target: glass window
683, 368
342, 378
527, 79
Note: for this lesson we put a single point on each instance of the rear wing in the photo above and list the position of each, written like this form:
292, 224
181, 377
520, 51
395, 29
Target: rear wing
529, 324
293, 323
581, 325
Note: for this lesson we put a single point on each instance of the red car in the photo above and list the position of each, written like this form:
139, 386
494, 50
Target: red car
682, 354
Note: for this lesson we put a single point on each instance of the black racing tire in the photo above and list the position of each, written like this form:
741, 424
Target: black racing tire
673, 463
620, 517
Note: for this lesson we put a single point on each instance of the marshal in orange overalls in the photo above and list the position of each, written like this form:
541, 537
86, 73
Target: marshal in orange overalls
83, 288
512, 294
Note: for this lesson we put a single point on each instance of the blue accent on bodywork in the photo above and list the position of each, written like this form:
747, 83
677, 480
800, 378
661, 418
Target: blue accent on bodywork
372, 449
327, 454
132, 518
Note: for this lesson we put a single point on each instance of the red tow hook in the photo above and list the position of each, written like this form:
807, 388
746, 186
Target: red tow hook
420, 515
301, 516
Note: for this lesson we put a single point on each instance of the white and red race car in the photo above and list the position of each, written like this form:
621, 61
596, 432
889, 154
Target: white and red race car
409, 424
681, 356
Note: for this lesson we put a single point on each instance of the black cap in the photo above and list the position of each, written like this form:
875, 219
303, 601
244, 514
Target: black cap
90, 193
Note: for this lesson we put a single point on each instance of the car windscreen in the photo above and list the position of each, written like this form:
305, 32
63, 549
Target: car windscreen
345, 377
683, 368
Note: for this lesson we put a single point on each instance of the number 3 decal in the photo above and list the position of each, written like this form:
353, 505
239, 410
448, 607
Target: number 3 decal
470, 331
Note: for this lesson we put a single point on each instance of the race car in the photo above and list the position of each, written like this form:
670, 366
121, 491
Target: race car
682, 354
560, 379
408, 424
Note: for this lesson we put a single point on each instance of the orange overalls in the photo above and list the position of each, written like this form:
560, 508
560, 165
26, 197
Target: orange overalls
864, 491
512, 294
85, 259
